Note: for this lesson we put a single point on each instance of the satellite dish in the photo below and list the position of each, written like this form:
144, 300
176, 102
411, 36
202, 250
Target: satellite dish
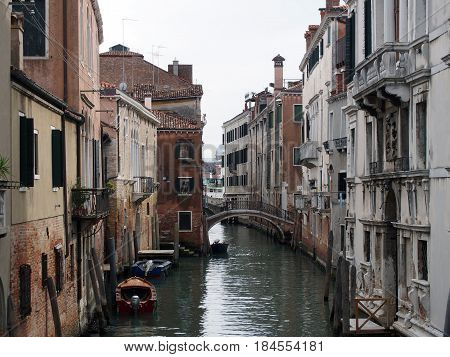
123, 86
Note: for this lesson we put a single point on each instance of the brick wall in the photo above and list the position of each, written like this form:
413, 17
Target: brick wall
29, 241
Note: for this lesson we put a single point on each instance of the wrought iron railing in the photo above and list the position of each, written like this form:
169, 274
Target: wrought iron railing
401, 164
341, 143
144, 185
376, 167
90, 203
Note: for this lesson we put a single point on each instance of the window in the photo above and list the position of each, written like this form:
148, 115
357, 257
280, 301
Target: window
313, 59
185, 221
279, 113
25, 290
422, 250
321, 48
298, 112
59, 268
329, 36
352, 241
27, 167
44, 268
184, 185
342, 185
35, 28
184, 151
96, 166
271, 120
330, 125
367, 246
367, 27
57, 158
36, 154
421, 134
297, 157
350, 41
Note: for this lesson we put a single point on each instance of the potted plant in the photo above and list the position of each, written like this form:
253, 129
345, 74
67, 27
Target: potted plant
79, 198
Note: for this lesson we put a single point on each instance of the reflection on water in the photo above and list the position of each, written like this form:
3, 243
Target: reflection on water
260, 289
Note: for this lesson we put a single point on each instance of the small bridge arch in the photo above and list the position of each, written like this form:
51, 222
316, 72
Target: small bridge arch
281, 220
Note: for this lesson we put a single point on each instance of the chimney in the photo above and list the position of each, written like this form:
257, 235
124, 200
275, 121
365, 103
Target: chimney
148, 102
332, 3
175, 67
17, 40
279, 64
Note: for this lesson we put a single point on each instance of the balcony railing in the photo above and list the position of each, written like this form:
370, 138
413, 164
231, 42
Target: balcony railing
90, 204
143, 188
340, 144
376, 167
401, 164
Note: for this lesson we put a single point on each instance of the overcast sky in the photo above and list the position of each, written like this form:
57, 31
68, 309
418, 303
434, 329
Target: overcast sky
230, 43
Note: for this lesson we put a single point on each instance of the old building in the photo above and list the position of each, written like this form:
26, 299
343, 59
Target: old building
398, 158
274, 132
130, 171
61, 42
236, 160
5, 154
176, 102
322, 157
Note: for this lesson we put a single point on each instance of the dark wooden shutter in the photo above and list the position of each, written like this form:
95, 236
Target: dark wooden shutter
279, 114
96, 165
177, 185
26, 152
368, 27
57, 158
177, 150
25, 289
191, 151
44, 267
191, 184
321, 47
350, 48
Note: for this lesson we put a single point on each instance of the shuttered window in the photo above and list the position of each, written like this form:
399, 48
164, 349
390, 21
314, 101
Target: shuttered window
298, 112
34, 36
184, 150
44, 268
96, 163
185, 221
26, 152
59, 269
368, 27
350, 48
57, 158
279, 113
25, 290
184, 185
270, 120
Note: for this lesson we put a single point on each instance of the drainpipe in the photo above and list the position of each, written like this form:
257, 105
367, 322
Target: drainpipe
63, 127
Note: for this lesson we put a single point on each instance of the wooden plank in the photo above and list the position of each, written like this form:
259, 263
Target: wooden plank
98, 303
54, 304
328, 266
369, 327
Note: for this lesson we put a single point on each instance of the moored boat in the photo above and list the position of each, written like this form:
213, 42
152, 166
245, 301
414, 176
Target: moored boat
136, 295
218, 248
151, 268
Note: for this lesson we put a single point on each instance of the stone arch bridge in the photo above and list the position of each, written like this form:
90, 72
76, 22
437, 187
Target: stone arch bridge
283, 221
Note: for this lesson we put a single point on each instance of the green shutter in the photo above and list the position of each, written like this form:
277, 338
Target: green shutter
26, 152
368, 27
298, 113
57, 158
279, 114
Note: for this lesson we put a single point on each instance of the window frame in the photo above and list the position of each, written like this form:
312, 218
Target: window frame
36, 171
294, 116
184, 230
47, 35
191, 192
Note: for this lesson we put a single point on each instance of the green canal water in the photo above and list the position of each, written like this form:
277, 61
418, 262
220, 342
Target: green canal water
261, 289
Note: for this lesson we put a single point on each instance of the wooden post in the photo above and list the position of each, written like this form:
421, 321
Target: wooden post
352, 290
176, 243
345, 297
328, 266
136, 246
130, 249
54, 304
338, 298
447, 318
112, 269
12, 318
101, 284
153, 247
98, 304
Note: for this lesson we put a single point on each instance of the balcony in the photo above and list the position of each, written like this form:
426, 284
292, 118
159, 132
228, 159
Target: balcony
307, 155
143, 188
376, 168
398, 165
90, 204
340, 144
385, 73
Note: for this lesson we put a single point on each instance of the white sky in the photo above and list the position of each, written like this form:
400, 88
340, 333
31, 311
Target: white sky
231, 43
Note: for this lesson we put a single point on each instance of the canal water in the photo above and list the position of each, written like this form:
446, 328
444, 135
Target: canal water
261, 289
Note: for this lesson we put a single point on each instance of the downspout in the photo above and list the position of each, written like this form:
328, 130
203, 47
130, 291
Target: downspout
63, 127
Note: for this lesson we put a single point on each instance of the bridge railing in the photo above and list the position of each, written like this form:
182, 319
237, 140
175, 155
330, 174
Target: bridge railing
255, 206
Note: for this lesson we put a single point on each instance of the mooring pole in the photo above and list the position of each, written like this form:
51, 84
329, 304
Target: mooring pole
328, 266
112, 270
338, 298
352, 290
12, 318
345, 297
101, 284
54, 304
98, 304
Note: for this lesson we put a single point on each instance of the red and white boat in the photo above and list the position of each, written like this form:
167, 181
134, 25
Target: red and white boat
136, 295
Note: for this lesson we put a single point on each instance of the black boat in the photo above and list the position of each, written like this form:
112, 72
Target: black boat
218, 248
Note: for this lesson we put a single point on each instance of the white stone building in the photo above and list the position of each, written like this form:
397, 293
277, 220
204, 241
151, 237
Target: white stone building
398, 232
